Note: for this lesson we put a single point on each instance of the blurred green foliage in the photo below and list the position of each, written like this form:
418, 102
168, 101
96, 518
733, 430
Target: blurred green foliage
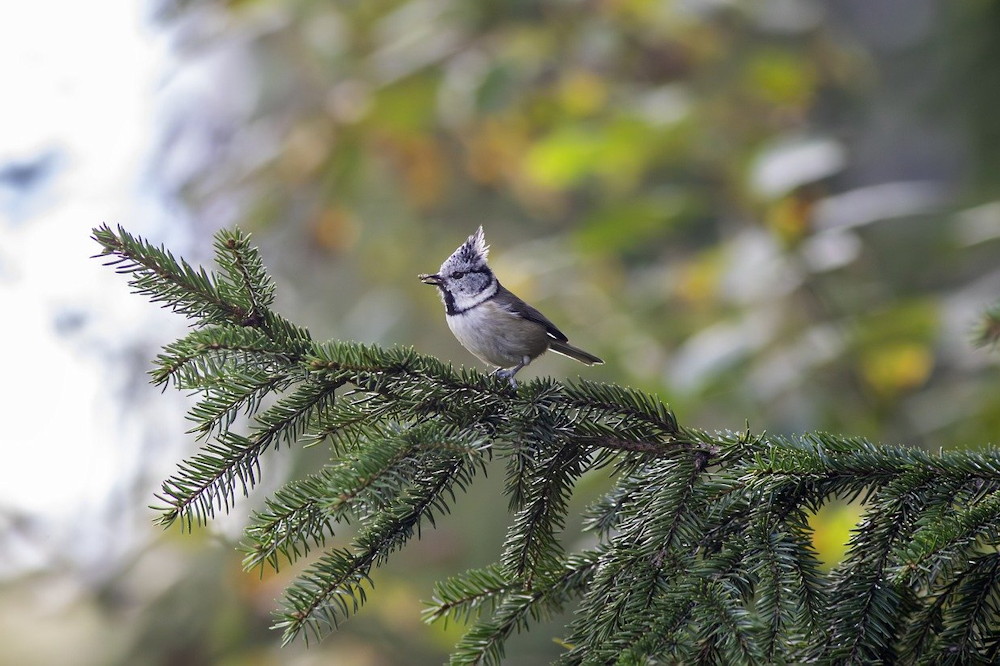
779, 212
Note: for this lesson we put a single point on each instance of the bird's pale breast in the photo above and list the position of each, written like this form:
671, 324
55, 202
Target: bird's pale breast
496, 336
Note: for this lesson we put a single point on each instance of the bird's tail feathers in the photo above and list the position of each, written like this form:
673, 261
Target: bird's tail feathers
567, 349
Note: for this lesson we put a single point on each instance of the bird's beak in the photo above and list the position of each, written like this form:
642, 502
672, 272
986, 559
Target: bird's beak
430, 279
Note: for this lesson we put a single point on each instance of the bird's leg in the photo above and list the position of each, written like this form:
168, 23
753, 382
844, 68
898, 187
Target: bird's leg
508, 373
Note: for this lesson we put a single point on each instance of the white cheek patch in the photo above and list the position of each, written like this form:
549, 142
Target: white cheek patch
465, 301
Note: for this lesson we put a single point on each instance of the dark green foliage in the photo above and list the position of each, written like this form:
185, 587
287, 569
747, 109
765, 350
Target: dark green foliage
701, 551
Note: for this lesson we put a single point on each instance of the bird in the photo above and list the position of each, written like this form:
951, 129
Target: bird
488, 320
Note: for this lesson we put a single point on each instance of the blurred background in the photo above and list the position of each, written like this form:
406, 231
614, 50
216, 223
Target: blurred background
781, 214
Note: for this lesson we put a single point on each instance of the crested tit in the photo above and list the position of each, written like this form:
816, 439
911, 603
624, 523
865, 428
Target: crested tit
495, 325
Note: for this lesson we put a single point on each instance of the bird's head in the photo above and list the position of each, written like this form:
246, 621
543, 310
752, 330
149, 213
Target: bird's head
464, 277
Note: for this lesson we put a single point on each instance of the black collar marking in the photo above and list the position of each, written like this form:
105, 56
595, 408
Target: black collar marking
449, 298
449, 302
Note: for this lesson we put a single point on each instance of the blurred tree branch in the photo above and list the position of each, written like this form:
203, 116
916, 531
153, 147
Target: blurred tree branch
987, 332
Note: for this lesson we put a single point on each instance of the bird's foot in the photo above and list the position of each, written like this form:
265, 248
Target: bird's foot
508, 374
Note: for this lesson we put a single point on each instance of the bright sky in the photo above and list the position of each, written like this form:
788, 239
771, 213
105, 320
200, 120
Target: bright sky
79, 84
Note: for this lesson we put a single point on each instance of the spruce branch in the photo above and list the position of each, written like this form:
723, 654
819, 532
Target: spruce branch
658, 526
532, 546
791, 596
702, 545
244, 277
460, 596
624, 587
240, 392
156, 273
371, 478
201, 358
209, 481
663, 637
292, 523
960, 624
512, 611
334, 587
937, 548
622, 403
972, 621
726, 629
484, 643
241, 297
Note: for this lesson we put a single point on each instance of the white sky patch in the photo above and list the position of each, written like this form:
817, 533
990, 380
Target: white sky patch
79, 90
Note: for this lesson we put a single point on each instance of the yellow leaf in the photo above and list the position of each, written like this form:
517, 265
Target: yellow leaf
891, 369
582, 92
832, 526
781, 78
697, 282
790, 218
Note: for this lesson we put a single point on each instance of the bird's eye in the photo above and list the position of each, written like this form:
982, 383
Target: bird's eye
458, 275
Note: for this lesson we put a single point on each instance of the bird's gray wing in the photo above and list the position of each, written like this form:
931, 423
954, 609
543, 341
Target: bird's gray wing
514, 305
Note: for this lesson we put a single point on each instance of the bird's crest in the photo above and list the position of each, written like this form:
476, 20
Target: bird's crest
472, 253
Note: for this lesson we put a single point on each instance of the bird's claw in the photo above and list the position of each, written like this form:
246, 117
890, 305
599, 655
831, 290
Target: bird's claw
508, 374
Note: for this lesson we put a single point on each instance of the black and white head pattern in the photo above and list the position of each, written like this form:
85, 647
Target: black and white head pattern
466, 280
